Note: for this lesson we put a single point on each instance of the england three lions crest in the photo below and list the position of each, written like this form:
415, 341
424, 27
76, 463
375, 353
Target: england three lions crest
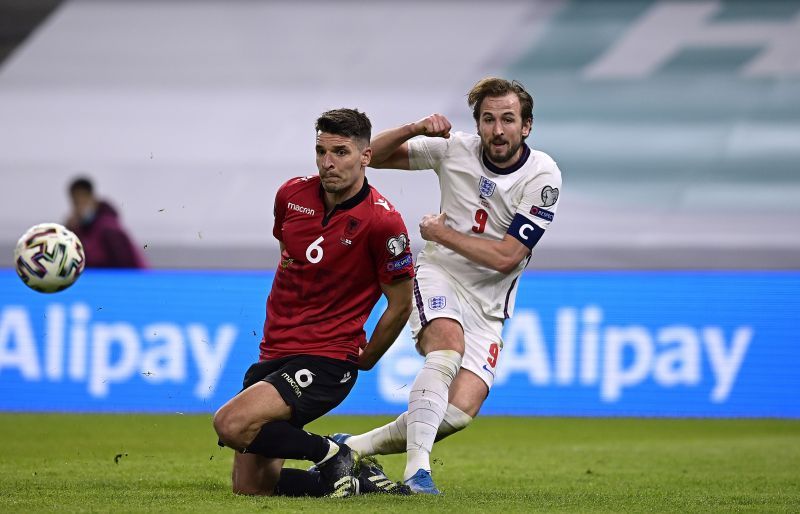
486, 188
437, 303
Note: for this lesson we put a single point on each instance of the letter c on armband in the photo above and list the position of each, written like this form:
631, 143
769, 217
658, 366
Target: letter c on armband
525, 231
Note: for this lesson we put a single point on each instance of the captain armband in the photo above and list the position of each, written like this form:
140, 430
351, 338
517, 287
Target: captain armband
525, 231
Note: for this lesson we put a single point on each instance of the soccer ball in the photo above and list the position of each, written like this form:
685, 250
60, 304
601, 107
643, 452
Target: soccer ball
49, 258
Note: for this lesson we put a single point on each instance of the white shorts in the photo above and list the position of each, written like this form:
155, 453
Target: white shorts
438, 295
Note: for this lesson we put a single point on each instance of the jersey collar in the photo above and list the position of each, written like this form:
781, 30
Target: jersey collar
526, 152
347, 204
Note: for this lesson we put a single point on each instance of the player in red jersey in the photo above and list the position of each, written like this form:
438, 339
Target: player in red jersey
342, 246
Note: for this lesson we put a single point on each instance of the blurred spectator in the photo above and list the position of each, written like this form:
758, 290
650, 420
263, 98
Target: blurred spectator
97, 224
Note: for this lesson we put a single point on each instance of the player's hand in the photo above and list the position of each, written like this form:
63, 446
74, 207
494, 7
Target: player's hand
431, 226
435, 125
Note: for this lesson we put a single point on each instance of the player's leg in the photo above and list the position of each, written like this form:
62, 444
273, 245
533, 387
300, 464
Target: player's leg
442, 344
239, 421
259, 476
437, 326
255, 475
255, 423
315, 385
467, 394
266, 417
483, 336
301, 482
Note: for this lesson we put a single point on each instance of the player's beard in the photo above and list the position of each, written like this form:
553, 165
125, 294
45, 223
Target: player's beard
503, 158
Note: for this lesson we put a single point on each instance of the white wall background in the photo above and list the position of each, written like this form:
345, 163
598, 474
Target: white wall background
189, 115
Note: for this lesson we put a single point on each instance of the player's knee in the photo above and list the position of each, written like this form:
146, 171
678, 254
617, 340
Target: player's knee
442, 334
229, 428
454, 420
221, 427
447, 362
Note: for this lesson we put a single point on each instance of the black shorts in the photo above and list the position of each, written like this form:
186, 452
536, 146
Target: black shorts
311, 385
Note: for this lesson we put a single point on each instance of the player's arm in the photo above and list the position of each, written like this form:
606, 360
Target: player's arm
502, 256
279, 213
398, 295
389, 148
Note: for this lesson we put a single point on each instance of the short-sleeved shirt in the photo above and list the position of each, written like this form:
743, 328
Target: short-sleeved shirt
331, 269
483, 200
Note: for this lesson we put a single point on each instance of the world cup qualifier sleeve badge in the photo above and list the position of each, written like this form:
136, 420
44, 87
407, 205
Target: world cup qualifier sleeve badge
486, 187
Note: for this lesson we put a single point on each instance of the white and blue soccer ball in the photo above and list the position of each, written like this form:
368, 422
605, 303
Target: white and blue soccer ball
49, 258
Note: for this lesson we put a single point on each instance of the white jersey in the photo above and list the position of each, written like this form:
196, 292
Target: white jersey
485, 201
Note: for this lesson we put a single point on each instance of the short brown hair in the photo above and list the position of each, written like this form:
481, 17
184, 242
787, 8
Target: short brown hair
346, 122
493, 87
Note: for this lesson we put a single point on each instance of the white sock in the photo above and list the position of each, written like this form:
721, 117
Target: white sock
385, 440
427, 403
391, 437
333, 449
454, 420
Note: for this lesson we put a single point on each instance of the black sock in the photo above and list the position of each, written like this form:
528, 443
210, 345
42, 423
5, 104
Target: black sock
298, 482
279, 439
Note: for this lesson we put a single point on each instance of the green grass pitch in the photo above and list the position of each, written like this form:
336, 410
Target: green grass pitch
122, 463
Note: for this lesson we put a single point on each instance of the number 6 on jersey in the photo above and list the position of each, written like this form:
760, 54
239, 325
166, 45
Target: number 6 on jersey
314, 251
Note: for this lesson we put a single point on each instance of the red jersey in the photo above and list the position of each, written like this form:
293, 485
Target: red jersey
331, 269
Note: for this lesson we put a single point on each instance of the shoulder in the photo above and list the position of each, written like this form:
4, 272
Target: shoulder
297, 189
106, 213
430, 152
456, 141
106, 218
465, 138
464, 141
543, 159
465, 149
297, 184
379, 205
382, 211
388, 235
542, 166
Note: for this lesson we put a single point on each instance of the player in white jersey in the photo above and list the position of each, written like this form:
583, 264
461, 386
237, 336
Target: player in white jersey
497, 198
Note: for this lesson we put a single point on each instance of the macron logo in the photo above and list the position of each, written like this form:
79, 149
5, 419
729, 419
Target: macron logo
300, 208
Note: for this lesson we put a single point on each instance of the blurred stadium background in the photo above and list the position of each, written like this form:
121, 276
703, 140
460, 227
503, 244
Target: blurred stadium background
676, 124
668, 284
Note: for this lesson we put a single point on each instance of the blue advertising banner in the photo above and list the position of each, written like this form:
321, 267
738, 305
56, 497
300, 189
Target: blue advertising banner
580, 343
